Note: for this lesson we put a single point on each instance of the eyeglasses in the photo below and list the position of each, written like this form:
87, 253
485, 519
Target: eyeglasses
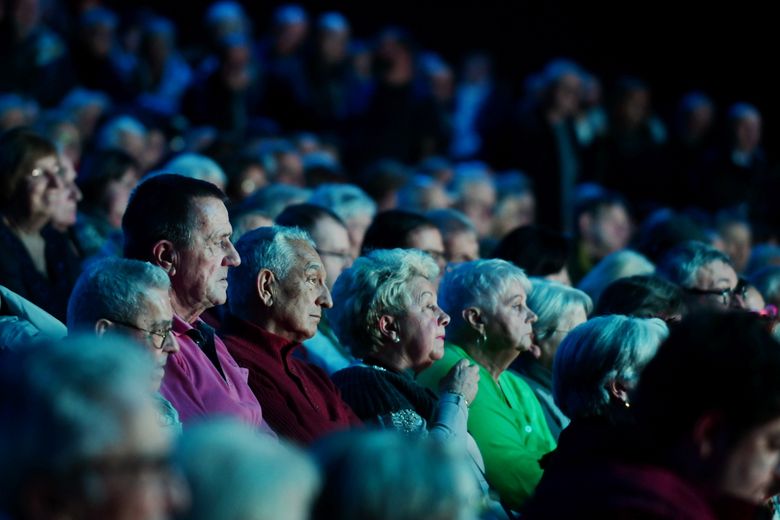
164, 334
726, 295
39, 173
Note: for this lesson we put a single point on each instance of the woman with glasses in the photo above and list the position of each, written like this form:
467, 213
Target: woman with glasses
36, 262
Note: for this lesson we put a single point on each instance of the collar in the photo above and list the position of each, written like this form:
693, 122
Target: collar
251, 332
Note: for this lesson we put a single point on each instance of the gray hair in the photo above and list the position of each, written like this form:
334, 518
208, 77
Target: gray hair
617, 265
450, 221
262, 248
681, 264
375, 285
196, 166
235, 473
274, 198
115, 289
63, 402
415, 194
479, 283
767, 281
345, 200
552, 300
601, 350
111, 133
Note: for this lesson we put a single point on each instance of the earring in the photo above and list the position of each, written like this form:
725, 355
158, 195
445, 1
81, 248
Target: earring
482, 339
396, 339
628, 405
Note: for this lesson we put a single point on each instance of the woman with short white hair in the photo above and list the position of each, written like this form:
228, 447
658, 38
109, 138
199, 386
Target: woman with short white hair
491, 325
559, 309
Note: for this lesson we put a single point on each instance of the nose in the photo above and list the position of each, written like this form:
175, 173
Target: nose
444, 318
232, 258
532, 317
75, 192
171, 344
325, 299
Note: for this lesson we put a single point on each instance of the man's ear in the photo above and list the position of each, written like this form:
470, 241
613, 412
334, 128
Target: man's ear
388, 327
102, 326
474, 317
705, 432
164, 254
264, 285
618, 390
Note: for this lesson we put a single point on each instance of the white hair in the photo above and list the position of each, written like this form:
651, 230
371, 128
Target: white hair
617, 265
114, 289
236, 473
112, 132
262, 248
681, 264
552, 300
375, 285
345, 200
479, 283
196, 166
601, 350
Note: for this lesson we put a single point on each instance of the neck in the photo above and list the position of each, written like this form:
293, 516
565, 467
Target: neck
390, 359
268, 324
185, 312
494, 361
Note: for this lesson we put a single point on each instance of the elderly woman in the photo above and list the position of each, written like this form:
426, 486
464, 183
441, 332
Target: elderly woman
36, 263
559, 309
491, 326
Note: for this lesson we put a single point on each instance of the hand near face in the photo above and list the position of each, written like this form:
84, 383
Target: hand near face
462, 379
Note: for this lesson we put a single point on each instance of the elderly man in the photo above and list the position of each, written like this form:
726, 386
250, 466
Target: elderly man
331, 239
80, 437
277, 296
129, 298
706, 276
181, 225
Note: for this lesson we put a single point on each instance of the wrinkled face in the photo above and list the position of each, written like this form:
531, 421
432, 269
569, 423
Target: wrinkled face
611, 229
333, 246
720, 280
574, 316
200, 279
421, 327
751, 469
509, 326
45, 187
461, 247
428, 240
299, 298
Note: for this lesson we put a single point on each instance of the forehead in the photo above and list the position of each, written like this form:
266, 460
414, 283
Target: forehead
716, 273
210, 216
305, 255
418, 286
329, 234
513, 289
426, 238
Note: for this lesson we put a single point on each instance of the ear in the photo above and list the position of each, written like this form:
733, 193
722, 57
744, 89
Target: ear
102, 326
164, 255
704, 433
388, 327
264, 284
474, 317
618, 390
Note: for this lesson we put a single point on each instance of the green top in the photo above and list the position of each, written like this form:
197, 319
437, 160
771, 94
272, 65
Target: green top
508, 424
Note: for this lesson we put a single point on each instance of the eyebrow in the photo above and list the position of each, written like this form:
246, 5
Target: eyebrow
313, 266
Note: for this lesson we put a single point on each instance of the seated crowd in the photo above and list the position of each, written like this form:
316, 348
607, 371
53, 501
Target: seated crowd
270, 312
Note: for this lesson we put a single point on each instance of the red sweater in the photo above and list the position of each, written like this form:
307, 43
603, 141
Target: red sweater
299, 400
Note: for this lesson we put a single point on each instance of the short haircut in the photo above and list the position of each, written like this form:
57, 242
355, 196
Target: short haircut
262, 248
62, 403
98, 172
642, 296
306, 217
550, 301
196, 166
392, 229
375, 285
599, 200
162, 208
110, 135
727, 363
539, 251
601, 350
20, 148
479, 283
450, 221
345, 200
613, 267
681, 264
114, 289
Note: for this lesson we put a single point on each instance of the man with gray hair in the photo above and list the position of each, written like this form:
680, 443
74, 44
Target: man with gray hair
276, 297
705, 275
129, 298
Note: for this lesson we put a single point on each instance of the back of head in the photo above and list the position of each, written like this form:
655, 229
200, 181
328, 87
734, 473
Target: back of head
642, 296
274, 198
681, 264
196, 166
663, 230
161, 208
537, 250
235, 473
391, 229
728, 365
410, 478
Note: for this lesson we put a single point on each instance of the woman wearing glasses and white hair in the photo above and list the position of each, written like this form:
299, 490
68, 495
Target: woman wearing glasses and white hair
491, 326
36, 263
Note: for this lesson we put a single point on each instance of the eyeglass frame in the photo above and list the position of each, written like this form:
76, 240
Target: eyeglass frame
727, 294
39, 172
149, 332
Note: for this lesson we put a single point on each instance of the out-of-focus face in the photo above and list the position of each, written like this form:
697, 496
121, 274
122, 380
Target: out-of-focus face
510, 325
334, 45
512, 212
333, 247
461, 247
290, 169
299, 298
754, 300
45, 187
356, 227
478, 205
64, 214
428, 240
421, 327
714, 287
200, 278
611, 229
574, 316
117, 195
748, 132
636, 107
567, 94
737, 241
751, 470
